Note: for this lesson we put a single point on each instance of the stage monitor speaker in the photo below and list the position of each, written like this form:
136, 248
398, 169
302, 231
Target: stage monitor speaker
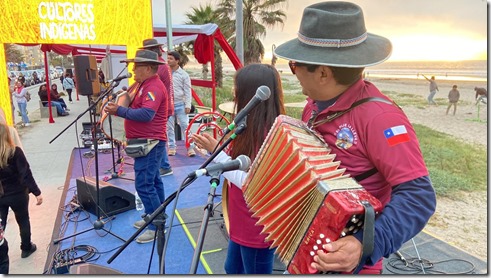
86, 75
112, 199
92, 269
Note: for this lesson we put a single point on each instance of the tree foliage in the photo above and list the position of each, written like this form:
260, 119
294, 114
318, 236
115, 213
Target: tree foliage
257, 16
13, 54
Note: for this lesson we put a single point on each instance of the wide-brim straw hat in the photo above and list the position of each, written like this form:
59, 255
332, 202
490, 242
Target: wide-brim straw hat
334, 34
144, 56
150, 43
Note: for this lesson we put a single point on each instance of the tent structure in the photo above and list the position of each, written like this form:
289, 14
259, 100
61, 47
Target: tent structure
203, 35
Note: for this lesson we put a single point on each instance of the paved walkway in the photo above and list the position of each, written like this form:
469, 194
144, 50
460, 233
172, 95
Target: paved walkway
49, 164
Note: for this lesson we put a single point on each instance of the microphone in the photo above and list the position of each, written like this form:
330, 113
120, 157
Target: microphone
262, 94
128, 75
242, 162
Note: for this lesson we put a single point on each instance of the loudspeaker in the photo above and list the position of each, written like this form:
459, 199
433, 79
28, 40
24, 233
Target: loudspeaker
92, 269
86, 75
112, 199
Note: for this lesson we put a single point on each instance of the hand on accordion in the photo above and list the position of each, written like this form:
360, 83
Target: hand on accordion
342, 255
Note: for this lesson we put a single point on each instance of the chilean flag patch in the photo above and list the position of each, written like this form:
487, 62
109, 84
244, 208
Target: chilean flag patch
396, 134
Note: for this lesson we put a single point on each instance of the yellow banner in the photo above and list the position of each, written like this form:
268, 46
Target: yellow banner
89, 22
76, 22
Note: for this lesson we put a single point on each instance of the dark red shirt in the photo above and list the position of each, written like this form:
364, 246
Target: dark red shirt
153, 95
165, 74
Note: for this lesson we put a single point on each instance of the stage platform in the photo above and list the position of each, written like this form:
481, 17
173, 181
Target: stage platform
97, 246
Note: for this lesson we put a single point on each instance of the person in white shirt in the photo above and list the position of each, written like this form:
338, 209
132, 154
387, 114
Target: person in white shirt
182, 101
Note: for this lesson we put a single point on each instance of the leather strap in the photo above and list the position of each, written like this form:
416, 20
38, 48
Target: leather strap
356, 103
366, 174
368, 235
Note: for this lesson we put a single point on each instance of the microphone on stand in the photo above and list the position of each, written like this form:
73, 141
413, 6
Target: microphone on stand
119, 78
262, 94
242, 162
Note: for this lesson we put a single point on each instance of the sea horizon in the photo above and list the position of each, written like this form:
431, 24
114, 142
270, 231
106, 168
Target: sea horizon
468, 70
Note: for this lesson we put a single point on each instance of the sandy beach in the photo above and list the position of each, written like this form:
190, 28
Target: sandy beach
464, 125
461, 222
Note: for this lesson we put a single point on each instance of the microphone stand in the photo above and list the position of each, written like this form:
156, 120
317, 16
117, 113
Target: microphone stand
187, 181
98, 224
114, 173
214, 181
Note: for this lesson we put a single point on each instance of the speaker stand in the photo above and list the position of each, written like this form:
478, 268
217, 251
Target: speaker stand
99, 223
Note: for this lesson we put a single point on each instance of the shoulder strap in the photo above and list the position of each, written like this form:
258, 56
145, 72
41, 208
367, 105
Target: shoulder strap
331, 117
356, 103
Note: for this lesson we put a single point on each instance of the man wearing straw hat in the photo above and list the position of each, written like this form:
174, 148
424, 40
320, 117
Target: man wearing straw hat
146, 118
165, 75
328, 58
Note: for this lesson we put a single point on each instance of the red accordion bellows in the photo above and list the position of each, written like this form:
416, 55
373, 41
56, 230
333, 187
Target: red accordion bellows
300, 195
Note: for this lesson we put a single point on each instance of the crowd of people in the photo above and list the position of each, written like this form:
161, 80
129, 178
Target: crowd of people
21, 96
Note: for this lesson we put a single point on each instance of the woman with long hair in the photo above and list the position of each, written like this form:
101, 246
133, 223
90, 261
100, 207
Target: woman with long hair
19, 94
55, 95
248, 252
13, 132
17, 182
55, 99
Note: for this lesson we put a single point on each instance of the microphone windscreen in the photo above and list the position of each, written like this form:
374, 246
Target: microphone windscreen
263, 92
245, 162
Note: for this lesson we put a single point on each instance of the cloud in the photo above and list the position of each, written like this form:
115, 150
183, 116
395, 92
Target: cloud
393, 19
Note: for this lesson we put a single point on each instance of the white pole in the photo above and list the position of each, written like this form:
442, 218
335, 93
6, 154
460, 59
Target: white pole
168, 19
239, 30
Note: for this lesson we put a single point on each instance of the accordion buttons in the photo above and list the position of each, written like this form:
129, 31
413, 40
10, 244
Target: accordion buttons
315, 247
321, 236
318, 241
312, 253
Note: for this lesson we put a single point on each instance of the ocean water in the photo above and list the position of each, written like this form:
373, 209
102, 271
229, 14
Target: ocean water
476, 70
458, 70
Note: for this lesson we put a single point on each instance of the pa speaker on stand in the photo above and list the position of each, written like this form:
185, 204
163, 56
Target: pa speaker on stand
86, 75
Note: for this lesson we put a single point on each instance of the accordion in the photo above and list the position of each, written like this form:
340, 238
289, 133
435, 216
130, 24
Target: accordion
301, 196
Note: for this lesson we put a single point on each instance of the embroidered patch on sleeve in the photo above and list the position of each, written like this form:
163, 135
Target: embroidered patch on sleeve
396, 134
151, 96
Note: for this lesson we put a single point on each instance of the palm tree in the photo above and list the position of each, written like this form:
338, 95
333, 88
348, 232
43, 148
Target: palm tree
202, 15
257, 15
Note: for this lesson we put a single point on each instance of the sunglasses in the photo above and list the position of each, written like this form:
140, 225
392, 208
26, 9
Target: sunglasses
140, 65
293, 66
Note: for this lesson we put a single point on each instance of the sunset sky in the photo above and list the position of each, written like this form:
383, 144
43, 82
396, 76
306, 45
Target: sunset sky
418, 29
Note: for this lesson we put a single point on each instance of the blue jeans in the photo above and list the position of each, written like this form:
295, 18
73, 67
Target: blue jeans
23, 111
164, 163
430, 97
148, 183
58, 105
182, 119
246, 260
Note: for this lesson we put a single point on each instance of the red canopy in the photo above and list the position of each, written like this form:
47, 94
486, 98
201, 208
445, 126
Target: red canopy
204, 36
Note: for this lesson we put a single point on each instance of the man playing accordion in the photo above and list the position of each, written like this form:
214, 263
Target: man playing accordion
370, 135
